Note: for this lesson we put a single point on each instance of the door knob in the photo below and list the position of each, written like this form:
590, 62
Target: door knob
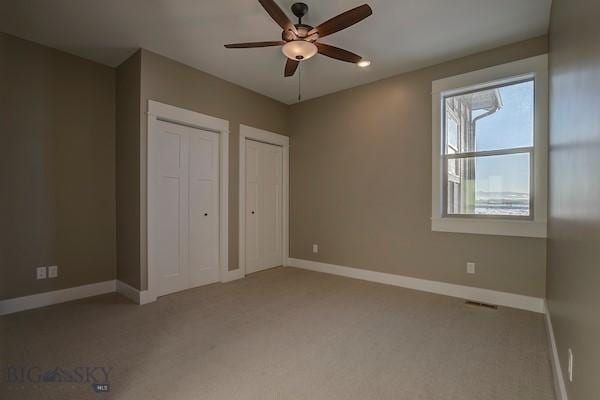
205, 214
252, 212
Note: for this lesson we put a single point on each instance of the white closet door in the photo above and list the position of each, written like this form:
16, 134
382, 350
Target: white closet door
264, 164
252, 191
169, 205
204, 208
183, 207
270, 231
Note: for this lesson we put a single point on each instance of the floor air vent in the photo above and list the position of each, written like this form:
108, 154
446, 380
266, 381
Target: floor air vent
478, 304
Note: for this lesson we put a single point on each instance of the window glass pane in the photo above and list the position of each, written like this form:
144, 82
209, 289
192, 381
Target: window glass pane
492, 119
452, 135
492, 185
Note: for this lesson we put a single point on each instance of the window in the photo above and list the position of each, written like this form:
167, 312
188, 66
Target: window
490, 150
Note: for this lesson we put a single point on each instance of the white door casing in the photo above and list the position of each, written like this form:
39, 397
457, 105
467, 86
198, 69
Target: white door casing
274, 149
203, 190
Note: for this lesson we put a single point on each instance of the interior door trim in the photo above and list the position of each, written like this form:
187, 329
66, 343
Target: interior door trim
260, 135
164, 112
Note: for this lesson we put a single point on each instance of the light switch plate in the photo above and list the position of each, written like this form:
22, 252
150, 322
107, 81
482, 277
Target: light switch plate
315, 248
53, 271
470, 268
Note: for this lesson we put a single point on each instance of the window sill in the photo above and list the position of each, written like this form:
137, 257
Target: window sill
490, 227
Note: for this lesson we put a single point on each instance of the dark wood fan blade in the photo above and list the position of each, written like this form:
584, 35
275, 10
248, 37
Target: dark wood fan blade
342, 21
337, 53
290, 67
278, 15
253, 44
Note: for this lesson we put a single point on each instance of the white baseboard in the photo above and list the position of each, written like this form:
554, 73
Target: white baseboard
146, 297
143, 297
140, 297
128, 291
522, 302
137, 296
56, 296
560, 389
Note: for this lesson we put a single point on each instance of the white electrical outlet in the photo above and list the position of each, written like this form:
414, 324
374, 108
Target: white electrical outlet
53, 271
470, 268
315, 248
40, 273
570, 365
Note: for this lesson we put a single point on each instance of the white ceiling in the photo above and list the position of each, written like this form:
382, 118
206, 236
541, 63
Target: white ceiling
400, 36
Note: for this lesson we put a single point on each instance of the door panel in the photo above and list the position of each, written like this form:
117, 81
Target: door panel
204, 208
252, 190
183, 207
264, 233
169, 208
168, 255
270, 195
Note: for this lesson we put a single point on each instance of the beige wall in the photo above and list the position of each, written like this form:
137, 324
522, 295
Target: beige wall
360, 171
574, 240
173, 83
57, 163
361, 185
128, 105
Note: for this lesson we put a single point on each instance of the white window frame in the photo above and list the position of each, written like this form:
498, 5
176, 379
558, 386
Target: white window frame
535, 68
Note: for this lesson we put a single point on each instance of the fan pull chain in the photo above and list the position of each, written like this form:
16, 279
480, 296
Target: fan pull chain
299, 82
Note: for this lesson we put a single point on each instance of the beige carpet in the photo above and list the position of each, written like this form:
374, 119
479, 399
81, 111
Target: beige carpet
282, 334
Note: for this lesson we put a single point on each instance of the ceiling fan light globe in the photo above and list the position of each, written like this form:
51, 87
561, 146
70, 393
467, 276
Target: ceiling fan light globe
299, 50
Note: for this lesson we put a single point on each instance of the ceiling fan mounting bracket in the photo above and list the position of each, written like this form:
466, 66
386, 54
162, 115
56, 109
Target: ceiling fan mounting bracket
299, 10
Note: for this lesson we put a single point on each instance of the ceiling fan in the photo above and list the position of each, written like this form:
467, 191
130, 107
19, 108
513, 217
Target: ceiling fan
300, 41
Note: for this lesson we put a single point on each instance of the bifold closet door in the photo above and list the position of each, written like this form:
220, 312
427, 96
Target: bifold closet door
264, 165
183, 207
204, 208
